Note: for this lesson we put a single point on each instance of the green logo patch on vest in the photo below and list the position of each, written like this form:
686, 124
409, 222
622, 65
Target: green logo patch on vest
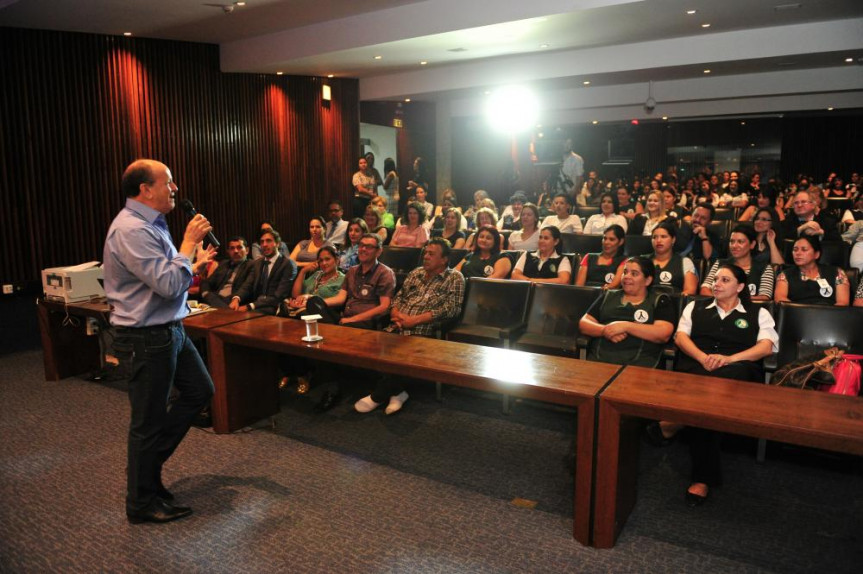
552, 268
741, 323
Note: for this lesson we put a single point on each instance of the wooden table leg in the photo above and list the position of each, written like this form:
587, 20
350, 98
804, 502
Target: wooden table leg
584, 471
67, 350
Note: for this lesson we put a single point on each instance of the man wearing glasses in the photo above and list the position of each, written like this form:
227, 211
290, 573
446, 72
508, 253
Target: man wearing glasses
808, 220
336, 227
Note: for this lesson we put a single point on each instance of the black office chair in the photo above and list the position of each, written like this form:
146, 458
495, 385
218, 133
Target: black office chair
456, 255
721, 228
724, 214
586, 212
580, 243
636, 245
807, 329
401, 259
493, 310
552, 319
836, 206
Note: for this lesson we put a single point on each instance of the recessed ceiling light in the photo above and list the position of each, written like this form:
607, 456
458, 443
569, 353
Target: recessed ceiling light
664, 117
594, 122
539, 135
742, 123
691, 12
706, 71
279, 73
330, 75
127, 33
752, 145
423, 63
705, 25
830, 109
586, 82
847, 60
240, 3
407, 99
378, 57
543, 45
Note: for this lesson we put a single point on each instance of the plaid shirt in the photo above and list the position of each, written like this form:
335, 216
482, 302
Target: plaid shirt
443, 295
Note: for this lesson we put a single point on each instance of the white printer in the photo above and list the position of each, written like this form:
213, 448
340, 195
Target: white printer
73, 284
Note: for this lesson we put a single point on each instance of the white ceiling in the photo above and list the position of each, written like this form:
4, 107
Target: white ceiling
756, 49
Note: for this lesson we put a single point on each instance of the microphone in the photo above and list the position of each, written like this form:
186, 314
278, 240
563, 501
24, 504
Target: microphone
192, 212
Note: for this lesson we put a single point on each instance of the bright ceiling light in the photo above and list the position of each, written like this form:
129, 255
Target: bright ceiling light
691, 12
847, 60
407, 99
664, 117
378, 57
543, 45
279, 73
706, 71
240, 3
586, 82
423, 63
594, 122
830, 109
512, 109
127, 33
705, 25
331, 75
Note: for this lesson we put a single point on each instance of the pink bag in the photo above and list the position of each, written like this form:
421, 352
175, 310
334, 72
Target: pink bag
847, 375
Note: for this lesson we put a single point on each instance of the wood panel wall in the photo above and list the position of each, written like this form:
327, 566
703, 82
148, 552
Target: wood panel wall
75, 109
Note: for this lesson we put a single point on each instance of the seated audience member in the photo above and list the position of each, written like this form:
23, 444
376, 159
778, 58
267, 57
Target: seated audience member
854, 236
609, 214
270, 280
387, 219
449, 202
808, 220
219, 288
766, 248
672, 269
562, 219
604, 269
809, 281
413, 233
450, 230
306, 251
323, 279
696, 240
255, 252
366, 293
724, 337
654, 214
374, 223
203, 265
430, 295
855, 214
766, 199
527, 237
858, 296
759, 275
421, 196
733, 196
350, 251
670, 203
510, 218
336, 227
546, 264
479, 196
627, 207
485, 260
484, 216
629, 326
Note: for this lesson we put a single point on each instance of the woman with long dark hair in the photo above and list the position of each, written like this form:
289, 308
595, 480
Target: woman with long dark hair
391, 184
809, 280
604, 269
485, 260
759, 275
672, 270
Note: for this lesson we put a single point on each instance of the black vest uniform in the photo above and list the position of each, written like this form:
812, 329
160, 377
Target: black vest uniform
549, 269
753, 276
476, 267
809, 291
631, 350
671, 274
736, 333
599, 275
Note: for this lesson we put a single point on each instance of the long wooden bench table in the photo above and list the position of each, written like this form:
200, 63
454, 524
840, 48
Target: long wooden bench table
805, 418
243, 359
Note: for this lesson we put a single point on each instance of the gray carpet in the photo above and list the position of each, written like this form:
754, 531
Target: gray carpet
428, 490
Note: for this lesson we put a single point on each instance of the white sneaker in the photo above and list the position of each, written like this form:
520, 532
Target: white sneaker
396, 403
366, 405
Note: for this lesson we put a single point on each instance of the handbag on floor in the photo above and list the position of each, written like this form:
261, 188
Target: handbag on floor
847, 375
811, 372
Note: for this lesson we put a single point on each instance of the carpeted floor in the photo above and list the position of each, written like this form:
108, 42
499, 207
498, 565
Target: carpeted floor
427, 490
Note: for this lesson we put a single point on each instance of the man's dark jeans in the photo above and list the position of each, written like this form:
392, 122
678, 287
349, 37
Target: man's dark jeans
156, 360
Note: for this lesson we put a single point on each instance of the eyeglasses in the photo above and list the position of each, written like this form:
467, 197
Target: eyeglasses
367, 246
801, 202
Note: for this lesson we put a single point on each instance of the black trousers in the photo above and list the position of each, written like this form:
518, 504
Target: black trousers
359, 204
156, 360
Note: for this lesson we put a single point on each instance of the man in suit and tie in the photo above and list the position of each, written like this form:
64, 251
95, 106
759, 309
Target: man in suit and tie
270, 281
218, 289
336, 227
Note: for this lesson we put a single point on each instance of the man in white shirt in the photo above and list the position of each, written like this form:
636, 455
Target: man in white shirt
572, 168
336, 227
562, 219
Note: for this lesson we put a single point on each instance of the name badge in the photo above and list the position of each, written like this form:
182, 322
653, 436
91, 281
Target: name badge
641, 316
609, 277
665, 276
753, 289
488, 270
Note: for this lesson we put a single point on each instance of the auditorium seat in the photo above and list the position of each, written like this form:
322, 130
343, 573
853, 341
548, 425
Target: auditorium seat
808, 329
552, 319
581, 243
456, 255
493, 309
724, 214
585, 212
636, 245
402, 260
721, 228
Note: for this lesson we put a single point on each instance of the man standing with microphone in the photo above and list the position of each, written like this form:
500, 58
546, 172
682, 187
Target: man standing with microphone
146, 280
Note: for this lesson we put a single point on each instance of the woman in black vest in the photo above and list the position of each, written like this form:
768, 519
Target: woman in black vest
809, 281
545, 265
486, 259
726, 337
672, 270
759, 275
629, 326
604, 269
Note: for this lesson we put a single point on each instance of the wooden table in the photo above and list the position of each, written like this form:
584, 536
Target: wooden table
805, 418
243, 369
67, 349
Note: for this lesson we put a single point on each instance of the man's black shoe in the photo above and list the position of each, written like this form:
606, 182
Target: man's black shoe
164, 493
159, 511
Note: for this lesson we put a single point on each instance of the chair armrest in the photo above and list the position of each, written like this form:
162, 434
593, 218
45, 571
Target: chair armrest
770, 365
507, 332
582, 342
